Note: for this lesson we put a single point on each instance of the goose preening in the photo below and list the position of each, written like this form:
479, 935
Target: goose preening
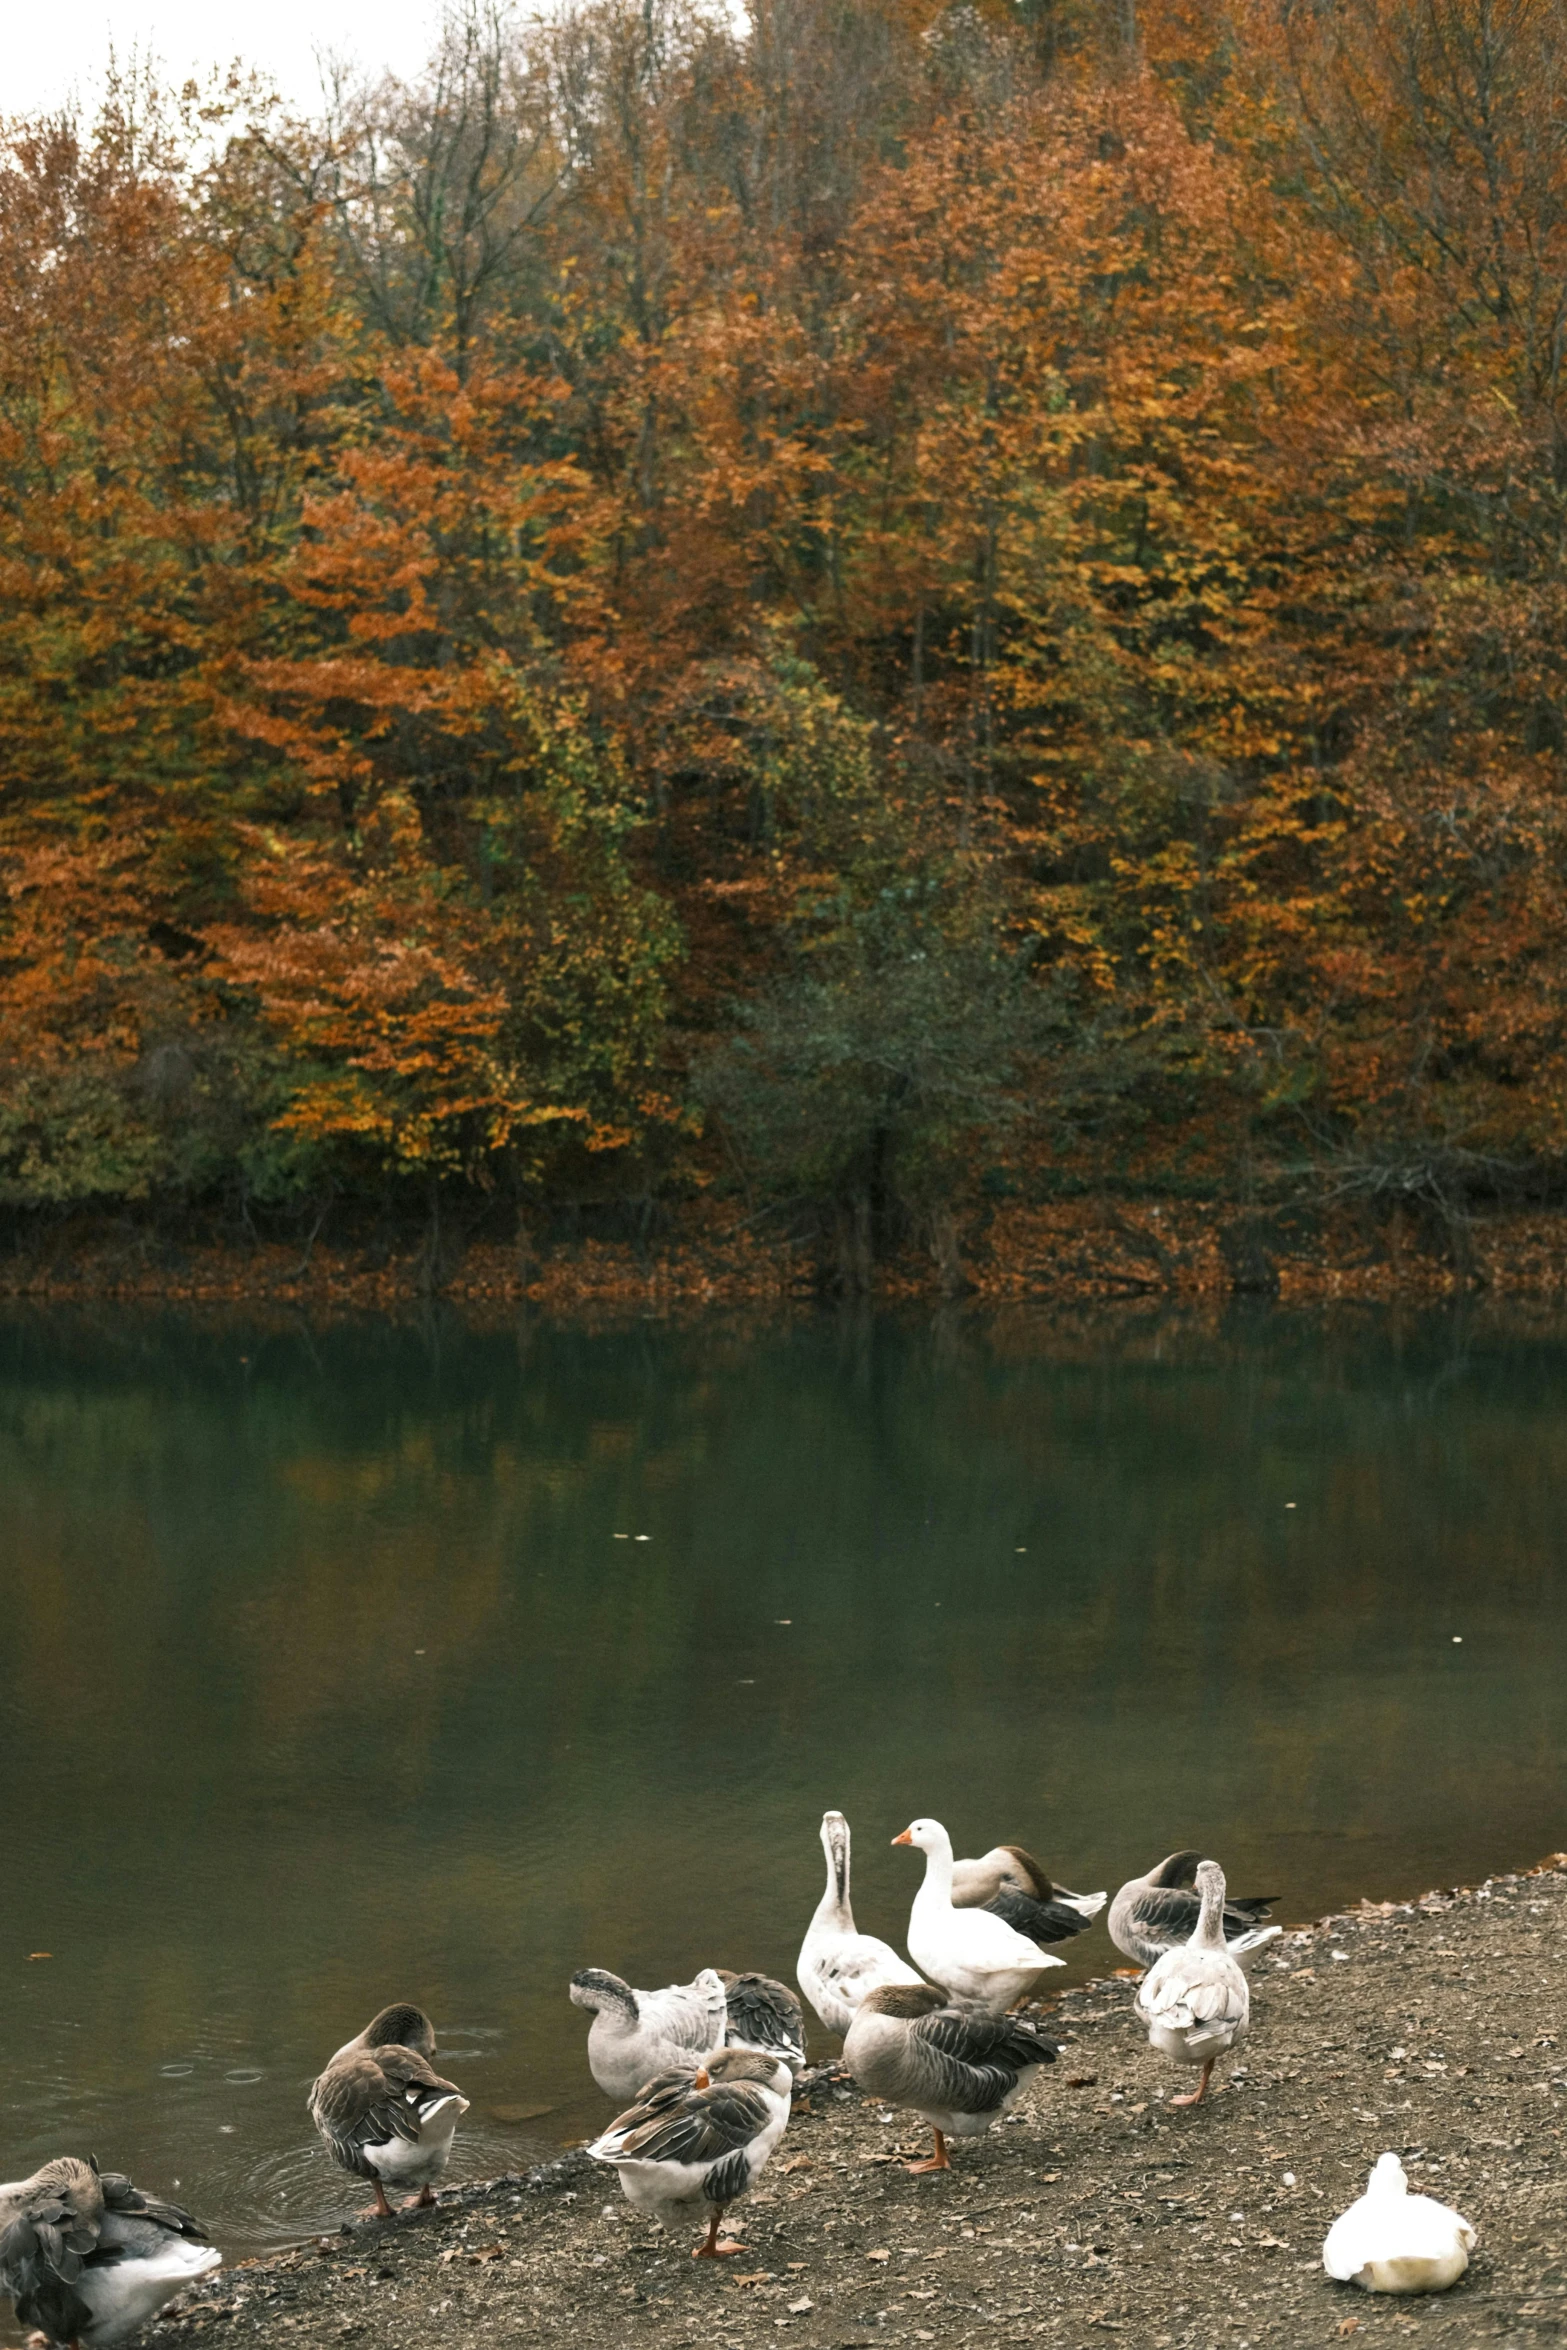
86, 2258
1196, 1999
838, 1965
382, 2110
764, 2016
905, 2044
635, 2034
1013, 1886
977, 1958
1156, 1913
696, 2142
1395, 2242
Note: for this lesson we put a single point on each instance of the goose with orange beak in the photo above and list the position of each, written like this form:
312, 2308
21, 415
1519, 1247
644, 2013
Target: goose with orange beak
983, 1964
694, 2143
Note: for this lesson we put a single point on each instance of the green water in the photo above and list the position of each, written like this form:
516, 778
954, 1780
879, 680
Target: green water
337, 1671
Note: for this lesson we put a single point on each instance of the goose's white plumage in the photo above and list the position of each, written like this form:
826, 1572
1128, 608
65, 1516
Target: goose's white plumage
1196, 2000
635, 2034
980, 1962
1395, 2242
838, 1965
123, 2296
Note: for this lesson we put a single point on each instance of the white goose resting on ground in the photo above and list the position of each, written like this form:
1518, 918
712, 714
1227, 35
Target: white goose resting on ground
763, 2015
695, 2143
838, 1965
1395, 2242
1156, 1913
86, 2258
382, 2110
1196, 2000
979, 1960
960, 2071
635, 2034
1012, 1885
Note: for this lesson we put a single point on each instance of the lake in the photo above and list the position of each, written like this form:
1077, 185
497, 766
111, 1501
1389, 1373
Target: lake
363, 1660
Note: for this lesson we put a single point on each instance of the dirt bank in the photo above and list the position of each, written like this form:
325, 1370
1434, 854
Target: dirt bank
1095, 2214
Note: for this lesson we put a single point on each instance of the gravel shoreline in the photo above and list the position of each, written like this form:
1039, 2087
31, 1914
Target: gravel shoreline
1094, 2214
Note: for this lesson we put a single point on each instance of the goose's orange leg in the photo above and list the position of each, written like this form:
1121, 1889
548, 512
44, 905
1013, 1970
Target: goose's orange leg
710, 2248
936, 2161
1195, 2096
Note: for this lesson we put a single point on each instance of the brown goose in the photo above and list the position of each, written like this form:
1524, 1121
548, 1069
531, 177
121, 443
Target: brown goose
87, 2258
696, 2142
1156, 1913
906, 2044
382, 2110
1012, 1885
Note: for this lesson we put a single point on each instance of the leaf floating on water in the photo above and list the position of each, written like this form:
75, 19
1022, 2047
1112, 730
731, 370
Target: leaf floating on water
519, 2113
32, 1954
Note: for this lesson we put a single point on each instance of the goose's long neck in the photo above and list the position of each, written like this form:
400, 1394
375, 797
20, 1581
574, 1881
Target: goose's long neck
833, 1908
1210, 1921
937, 1884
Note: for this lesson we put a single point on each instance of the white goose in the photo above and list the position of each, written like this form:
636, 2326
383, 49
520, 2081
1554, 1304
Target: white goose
838, 1965
1395, 2242
88, 2259
978, 1959
635, 2034
1196, 1999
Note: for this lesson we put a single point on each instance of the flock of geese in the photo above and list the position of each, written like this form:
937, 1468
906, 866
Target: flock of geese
705, 2072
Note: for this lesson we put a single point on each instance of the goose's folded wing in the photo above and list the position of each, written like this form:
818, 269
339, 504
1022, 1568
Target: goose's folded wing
1042, 1921
48, 2227
1242, 1911
1166, 1914
124, 2201
1217, 2002
367, 2097
972, 2062
763, 2014
705, 2126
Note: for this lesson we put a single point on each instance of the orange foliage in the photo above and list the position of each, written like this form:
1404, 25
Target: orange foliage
1092, 480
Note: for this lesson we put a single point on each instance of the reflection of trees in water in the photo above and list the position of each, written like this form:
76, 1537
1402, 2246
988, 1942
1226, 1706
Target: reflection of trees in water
221, 1572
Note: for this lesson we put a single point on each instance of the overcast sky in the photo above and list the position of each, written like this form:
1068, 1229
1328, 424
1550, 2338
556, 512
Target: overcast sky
52, 47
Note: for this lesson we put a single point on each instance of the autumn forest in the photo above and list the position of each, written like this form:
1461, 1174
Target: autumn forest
870, 607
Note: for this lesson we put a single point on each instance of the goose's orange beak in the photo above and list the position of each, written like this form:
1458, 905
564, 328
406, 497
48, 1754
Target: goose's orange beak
905, 1838
702, 2078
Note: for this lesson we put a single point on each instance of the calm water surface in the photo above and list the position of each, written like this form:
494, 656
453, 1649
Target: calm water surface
371, 1661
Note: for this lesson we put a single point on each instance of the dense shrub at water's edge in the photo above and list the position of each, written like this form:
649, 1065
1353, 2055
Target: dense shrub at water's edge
866, 613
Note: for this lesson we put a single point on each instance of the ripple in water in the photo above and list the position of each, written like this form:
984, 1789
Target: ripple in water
294, 2191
